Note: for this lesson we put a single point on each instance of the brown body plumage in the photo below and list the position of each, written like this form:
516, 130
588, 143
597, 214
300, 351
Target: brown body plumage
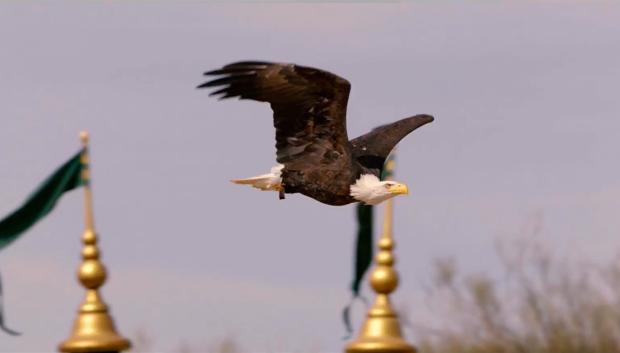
309, 115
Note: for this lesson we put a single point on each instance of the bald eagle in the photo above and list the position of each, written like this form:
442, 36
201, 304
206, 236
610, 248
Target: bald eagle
314, 153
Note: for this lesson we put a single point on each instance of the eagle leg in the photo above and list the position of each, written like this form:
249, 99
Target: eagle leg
281, 191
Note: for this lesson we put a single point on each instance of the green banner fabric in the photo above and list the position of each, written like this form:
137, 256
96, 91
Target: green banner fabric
388, 166
3, 327
364, 244
363, 248
41, 201
37, 206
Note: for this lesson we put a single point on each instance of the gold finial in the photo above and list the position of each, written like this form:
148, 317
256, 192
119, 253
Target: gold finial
93, 330
84, 138
381, 331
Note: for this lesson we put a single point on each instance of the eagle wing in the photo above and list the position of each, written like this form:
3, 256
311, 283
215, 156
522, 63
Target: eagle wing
309, 108
371, 149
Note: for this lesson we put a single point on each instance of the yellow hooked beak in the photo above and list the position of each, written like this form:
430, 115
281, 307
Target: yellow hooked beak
398, 189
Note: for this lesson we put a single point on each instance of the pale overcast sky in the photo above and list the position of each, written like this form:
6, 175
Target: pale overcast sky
525, 96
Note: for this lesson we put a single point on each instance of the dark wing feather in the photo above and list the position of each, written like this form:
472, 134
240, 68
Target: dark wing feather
309, 106
372, 149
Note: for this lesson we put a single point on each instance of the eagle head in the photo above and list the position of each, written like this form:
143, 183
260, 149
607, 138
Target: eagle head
371, 191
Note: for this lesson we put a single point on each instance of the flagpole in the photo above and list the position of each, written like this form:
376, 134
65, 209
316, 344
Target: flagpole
88, 195
381, 331
94, 329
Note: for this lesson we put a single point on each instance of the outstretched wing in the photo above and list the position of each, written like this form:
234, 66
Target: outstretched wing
371, 149
309, 106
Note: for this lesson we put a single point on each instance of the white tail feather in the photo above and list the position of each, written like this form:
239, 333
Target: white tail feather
271, 181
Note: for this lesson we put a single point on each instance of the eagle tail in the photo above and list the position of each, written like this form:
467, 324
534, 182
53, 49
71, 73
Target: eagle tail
270, 181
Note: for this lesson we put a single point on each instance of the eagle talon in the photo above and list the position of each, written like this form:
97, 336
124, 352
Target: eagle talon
281, 193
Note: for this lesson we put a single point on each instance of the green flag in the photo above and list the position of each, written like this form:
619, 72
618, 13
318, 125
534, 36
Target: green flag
37, 206
42, 200
388, 166
363, 246
363, 258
